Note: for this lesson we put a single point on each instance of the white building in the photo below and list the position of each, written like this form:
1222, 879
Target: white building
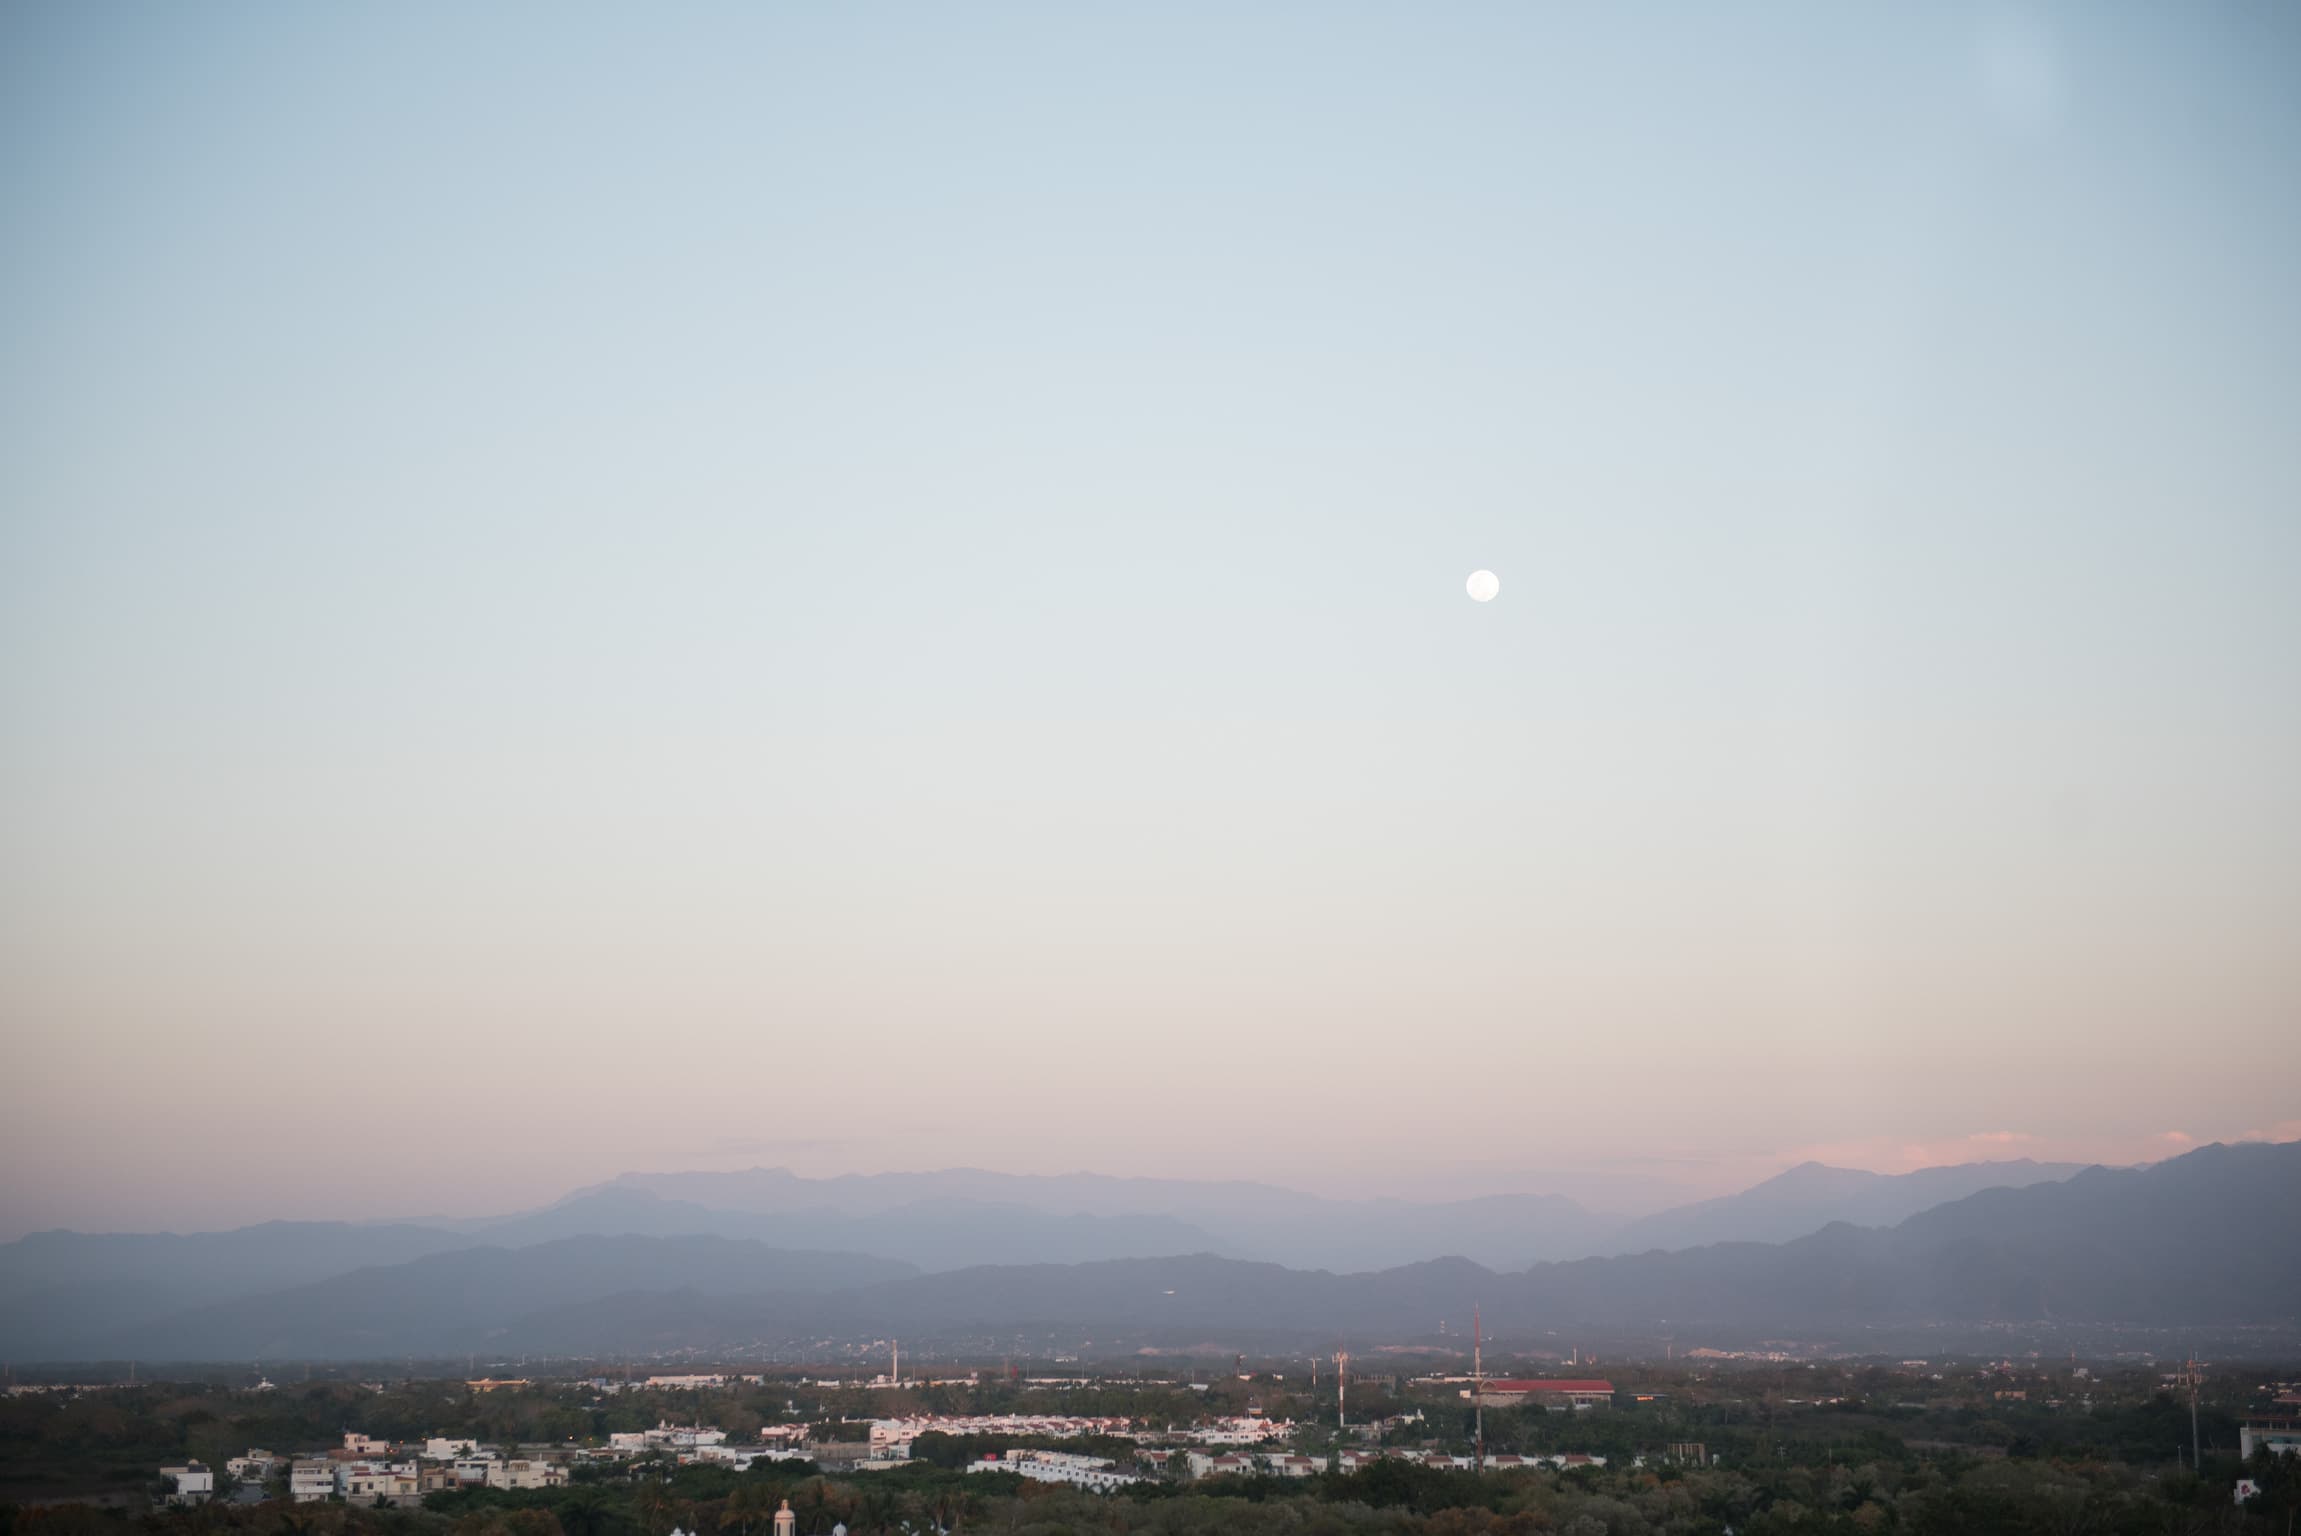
437, 1449
528, 1474
2280, 1437
674, 1437
885, 1432
309, 1482
254, 1467
1239, 1431
731, 1456
371, 1482
684, 1383
192, 1483
1087, 1472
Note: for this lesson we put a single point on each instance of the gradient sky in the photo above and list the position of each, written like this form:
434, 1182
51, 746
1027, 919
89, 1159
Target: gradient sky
598, 587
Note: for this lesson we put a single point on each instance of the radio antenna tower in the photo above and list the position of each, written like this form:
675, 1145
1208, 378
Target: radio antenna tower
2191, 1379
1342, 1389
1478, 1385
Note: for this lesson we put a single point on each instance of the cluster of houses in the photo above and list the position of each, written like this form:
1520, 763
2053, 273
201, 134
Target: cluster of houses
888, 1444
1351, 1461
1059, 1467
1103, 1476
679, 1439
902, 1431
367, 1471
1247, 1464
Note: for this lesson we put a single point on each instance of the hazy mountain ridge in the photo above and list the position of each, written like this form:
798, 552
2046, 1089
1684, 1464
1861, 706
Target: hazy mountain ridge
447, 1303
1237, 1218
1811, 1195
948, 1234
71, 1286
60, 1288
2109, 1246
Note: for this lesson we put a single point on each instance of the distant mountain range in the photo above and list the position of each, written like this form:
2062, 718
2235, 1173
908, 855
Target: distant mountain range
452, 1303
1235, 1218
632, 1267
1812, 1195
931, 1234
1284, 1226
62, 1292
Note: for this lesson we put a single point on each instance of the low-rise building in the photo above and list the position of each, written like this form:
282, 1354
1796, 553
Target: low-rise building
1239, 1431
368, 1483
1089, 1472
255, 1467
1542, 1393
896, 1431
842, 1453
311, 1480
667, 1437
191, 1483
1353, 1460
529, 1474
439, 1449
2277, 1436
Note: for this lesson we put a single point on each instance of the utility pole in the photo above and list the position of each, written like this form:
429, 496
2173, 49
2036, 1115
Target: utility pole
1478, 1386
2189, 1379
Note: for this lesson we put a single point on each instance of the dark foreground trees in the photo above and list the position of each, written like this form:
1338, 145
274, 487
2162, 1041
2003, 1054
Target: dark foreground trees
1957, 1496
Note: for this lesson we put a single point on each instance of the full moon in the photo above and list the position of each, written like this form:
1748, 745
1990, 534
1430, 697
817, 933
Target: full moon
1483, 585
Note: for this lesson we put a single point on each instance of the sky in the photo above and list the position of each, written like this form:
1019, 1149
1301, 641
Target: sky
594, 587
